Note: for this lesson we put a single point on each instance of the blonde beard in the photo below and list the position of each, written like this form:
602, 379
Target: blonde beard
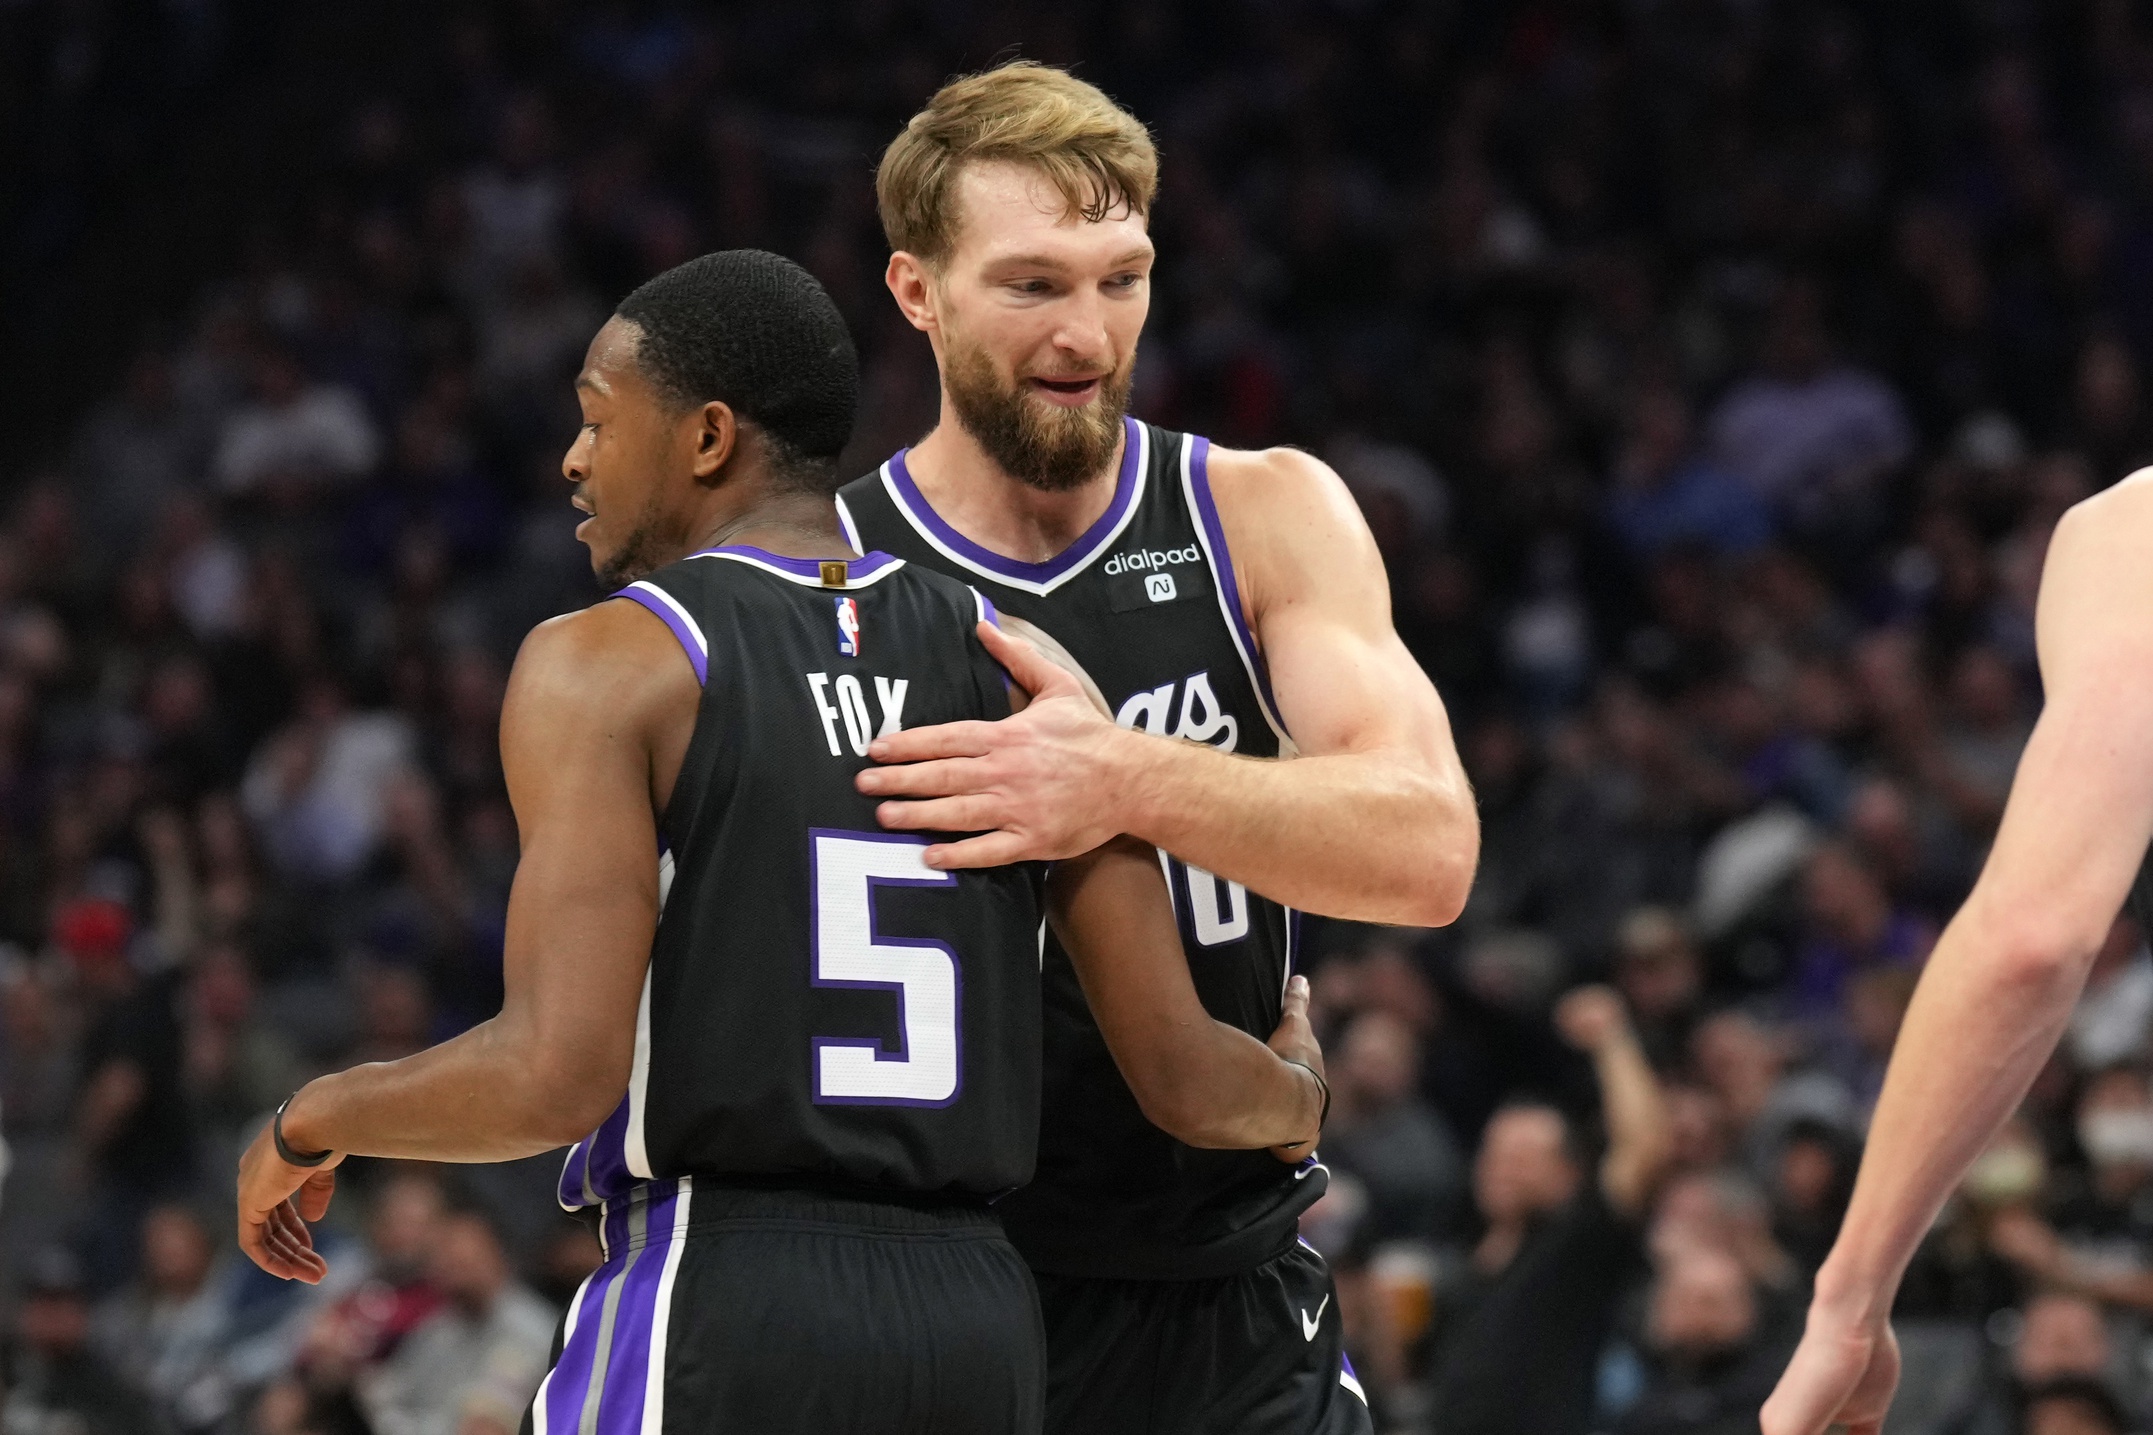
1044, 446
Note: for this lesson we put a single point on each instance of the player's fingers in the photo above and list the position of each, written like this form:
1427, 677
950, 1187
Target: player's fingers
939, 814
940, 777
993, 849
312, 1198
286, 1221
287, 1258
1028, 668
1296, 1003
289, 1239
257, 1250
918, 744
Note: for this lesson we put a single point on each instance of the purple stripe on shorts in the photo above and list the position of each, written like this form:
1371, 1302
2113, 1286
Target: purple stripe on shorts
620, 1405
1207, 513
1094, 537
630, 1281
570, 1381
697, 658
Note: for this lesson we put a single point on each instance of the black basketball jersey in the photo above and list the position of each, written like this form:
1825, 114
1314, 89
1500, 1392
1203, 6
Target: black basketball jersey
1146, 602
821, 1006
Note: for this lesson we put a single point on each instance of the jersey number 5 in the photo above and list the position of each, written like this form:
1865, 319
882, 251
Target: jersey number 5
925, 1070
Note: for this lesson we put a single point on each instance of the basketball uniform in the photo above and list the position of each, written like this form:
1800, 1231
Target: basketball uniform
1177, 1295
837, 1052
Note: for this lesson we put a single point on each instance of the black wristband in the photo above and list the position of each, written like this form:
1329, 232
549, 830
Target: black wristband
1324, 1086
293, 1158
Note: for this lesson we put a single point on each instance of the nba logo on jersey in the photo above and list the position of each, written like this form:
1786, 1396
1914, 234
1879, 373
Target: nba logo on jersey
848, 627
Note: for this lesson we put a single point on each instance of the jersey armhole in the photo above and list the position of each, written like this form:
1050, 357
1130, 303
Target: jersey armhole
679, 619
984, 606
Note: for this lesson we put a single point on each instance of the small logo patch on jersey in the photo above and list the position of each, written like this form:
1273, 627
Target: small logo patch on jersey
848, 627
1159, 587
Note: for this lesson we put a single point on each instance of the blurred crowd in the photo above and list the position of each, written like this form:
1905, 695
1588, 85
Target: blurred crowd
1711, 372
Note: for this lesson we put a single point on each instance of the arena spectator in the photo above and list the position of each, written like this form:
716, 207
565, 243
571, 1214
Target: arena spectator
471, 1367
294, 437
1562, 1243
1382, 1132
54, 1376
1714, 1357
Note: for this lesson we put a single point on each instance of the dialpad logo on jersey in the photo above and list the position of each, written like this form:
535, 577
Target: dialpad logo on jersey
1138, 581
848, 627
1151, 560
1197, 715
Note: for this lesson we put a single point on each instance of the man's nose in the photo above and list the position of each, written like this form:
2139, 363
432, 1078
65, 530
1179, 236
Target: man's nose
1082, 330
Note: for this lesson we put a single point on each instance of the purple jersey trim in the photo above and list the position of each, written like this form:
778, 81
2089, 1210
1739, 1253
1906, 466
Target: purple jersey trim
1083, 550
1207, 513
698, 658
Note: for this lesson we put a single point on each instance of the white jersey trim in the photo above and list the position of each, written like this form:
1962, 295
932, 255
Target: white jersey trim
633, 1150
1026, 585
662, 1314
687, 619
880, 573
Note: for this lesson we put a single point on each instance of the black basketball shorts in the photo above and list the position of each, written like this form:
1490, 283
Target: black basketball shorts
1258, 1353
796, 1313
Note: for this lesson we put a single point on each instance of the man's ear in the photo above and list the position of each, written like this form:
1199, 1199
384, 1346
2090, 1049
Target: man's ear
716, 437
912, 284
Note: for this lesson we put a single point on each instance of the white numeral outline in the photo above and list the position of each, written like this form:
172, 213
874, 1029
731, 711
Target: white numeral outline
927, 1069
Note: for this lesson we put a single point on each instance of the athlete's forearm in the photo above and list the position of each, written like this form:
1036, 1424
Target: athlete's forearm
1366, 836
1640, 1135
1199, 1080
486, 1095
1232, 1093
1988, 1011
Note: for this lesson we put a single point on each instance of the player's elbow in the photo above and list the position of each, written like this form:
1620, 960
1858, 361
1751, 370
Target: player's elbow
2039, 957
556, 1116
1447, 857
562, 1100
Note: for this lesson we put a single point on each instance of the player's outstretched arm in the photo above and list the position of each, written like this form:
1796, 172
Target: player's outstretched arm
2001, 983
1372, 820
1199, 1080
595, 710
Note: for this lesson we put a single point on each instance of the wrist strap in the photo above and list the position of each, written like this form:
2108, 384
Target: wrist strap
1324, 1086
310, 1159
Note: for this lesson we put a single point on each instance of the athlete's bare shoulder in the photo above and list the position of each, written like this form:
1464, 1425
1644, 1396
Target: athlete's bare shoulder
2097, 582
608, 648
1294, 530
2128, 502
613, 673
1279, 483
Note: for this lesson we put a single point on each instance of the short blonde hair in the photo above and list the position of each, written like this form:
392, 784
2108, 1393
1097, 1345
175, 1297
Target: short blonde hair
1095, 152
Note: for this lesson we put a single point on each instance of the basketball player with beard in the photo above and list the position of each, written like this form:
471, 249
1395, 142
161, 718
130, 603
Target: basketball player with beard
1234, 600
